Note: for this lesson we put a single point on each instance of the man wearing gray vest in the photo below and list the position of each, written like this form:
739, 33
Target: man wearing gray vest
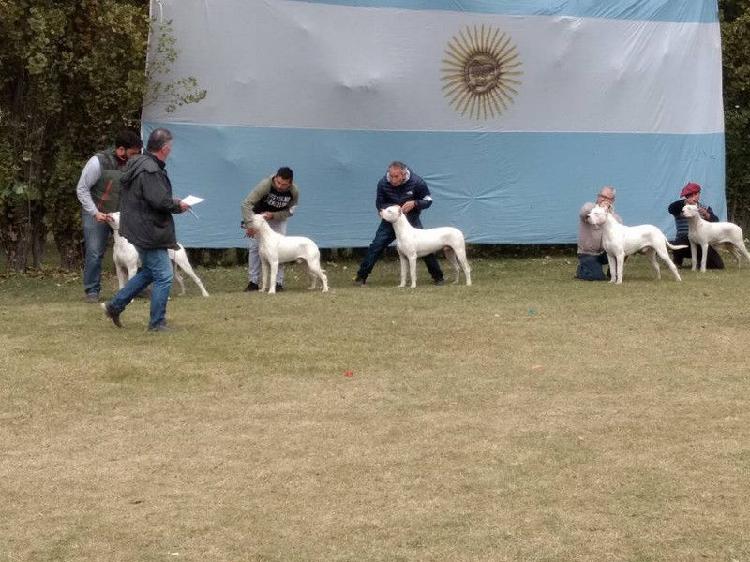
98, 191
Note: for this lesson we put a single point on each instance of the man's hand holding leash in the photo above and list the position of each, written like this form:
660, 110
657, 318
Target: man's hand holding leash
408, 206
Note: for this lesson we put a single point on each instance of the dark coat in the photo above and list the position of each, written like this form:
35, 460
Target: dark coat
414, 189
146, 204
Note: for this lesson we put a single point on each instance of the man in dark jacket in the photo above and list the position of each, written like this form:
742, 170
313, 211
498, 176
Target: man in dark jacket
146, 208
400, 187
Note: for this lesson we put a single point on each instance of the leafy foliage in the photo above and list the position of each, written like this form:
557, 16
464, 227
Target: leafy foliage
172, 94
72, 73
735, 30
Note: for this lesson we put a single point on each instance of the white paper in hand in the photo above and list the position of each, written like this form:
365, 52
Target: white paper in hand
191, 200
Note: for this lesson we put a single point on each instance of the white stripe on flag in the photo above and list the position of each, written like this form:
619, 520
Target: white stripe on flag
294, 64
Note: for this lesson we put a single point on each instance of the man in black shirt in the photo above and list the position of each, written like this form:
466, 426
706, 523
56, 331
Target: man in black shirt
275, 197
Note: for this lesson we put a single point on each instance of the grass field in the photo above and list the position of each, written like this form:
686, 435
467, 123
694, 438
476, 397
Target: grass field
528, 417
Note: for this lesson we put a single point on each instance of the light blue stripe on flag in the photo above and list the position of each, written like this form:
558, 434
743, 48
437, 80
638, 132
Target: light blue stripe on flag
704, 11
514, 120
520, 188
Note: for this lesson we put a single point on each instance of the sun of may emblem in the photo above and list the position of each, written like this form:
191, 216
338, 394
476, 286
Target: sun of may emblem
480, 72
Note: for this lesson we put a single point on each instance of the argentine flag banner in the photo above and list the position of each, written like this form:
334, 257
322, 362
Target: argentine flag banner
514, 112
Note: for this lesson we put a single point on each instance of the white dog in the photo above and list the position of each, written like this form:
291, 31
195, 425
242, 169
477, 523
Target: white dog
126, 259
716, 234
417, 242
275, 248
620, 241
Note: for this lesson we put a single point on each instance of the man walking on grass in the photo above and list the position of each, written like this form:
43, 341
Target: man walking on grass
146, 208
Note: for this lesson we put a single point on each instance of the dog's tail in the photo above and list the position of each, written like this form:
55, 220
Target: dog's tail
677, 247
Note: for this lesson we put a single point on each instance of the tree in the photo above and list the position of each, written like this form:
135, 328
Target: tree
72, 73
735, 31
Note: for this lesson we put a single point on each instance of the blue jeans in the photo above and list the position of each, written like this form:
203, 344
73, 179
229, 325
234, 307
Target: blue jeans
590, 267
383, 237
95, 237
156, 269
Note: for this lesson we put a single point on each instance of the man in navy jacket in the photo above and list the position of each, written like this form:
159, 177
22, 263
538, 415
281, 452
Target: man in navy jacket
400, 187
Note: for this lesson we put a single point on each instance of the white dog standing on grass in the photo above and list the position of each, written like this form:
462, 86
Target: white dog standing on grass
620, 241
715, 234
413, 243
126, 259
275, 248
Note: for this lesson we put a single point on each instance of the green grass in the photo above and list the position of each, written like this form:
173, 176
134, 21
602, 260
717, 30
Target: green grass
528, 417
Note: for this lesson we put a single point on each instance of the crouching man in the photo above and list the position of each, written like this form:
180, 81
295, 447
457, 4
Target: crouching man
591, 254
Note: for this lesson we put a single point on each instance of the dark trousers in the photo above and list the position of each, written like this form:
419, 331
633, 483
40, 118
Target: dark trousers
383, 237
713, 261
590, 267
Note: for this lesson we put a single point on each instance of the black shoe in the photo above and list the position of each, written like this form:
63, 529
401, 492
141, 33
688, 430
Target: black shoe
438, 282
360, 281
252, 287
279, 288
110, 313
91, 298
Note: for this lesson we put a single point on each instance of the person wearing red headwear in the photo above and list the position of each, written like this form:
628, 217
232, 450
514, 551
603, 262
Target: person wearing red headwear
690, 195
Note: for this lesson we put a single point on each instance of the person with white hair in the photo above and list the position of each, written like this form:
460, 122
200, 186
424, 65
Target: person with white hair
591, 254
399, 186
146, 208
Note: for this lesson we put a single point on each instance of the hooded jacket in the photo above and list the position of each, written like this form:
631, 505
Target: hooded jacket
414, 189
146, 204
